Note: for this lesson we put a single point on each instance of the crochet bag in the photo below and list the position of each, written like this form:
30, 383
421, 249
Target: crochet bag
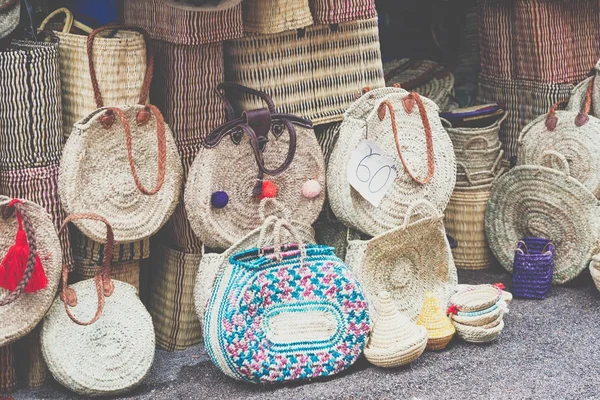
110, 159
407, 129
256, 155
30, 267
285, 313
98, 338
532, 268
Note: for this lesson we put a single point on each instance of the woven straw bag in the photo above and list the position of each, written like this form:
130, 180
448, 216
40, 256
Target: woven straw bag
99, 171
97, 338
327, 12
258, 155
8, 372
595, 270
395, 340
274, 16
408, 261
477, 165
316, 73
461, 136
127, 272
26, 294
10, 13
580, 93
532, 268
439, 327
533, 200
407, 129
286, 312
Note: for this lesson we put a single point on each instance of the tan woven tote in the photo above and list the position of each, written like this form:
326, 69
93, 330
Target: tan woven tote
538, 201
21, 309
111, 159
567, 140
274, 16
258, 155
408, 261
10, 13
407, 128
98, 338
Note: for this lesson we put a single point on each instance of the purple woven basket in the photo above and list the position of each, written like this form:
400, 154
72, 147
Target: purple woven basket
533, 267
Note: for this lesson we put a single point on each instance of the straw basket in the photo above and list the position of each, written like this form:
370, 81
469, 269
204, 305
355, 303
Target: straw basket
479, 318
439, 328
461, 136
480, 334
595, 270
476, 298
10, 13
274, 16
128, 272
580, 92
337, 11
86, 250
327, 136
8, 372
464, 220
532, 269
316, 75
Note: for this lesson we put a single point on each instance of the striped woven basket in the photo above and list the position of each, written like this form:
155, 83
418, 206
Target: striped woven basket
84, 248
171, 301
8, 371
316, 74
32, 368
274, 16
128, 272
338, 11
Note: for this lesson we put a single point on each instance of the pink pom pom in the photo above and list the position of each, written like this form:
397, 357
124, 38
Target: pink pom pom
311, 189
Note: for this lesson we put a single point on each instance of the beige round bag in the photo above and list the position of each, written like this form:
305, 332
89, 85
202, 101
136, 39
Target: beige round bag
408, 261
22, 305
98, 339
260, 154
111, 158
408, 130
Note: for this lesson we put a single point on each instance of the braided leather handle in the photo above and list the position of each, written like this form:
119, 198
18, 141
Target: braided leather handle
22, 217
104, 285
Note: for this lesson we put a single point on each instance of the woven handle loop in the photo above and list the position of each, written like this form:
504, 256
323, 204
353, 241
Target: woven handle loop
472, 143
104, 284
278, 239
423, 204
386, 105
23, 221
280, 209
145, 90
548, 157
68, 23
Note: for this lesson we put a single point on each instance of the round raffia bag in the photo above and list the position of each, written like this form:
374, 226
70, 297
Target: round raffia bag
10, 13
274, 16
538, 201
98, 338
568, 140
408, 261
30, 267
110, 159
408, 131
260, 154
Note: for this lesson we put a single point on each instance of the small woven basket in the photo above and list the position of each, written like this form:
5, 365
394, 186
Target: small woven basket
476, 298
533, 268
439, 327
479, 318
480, 334
461, 136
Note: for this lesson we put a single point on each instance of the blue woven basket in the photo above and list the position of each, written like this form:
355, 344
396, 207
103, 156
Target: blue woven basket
533, 267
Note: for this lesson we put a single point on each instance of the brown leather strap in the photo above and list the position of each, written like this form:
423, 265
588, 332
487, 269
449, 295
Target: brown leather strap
240, 89
149, 62
104, 285
8, 4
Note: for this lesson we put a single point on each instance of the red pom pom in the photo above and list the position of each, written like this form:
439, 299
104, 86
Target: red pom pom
269, 189
499, 285
452, 310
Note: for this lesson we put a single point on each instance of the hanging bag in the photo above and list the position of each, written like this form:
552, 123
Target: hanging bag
98, 338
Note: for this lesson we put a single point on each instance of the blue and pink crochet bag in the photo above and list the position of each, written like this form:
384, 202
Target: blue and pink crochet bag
285, 313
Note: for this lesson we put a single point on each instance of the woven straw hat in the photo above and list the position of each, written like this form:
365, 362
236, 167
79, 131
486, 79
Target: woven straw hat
395, 340
408, 262
439, 328
21, 311
10, 13
274, 16
480, 334
425, 165
98, 338
543, 202
595, 270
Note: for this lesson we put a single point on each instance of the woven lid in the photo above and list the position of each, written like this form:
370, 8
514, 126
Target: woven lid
434, 319
19, 316
543, 202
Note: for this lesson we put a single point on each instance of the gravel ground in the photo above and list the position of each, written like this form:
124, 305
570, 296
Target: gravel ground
548, 350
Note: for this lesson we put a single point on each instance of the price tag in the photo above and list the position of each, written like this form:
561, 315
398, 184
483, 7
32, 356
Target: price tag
370, 172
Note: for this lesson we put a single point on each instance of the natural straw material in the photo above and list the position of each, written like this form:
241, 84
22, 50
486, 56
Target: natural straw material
274, 16
595, 270
439, 328
10, 13
476, 298
32, 368
480, 334
327, 12
127, 272
480, 318
460, 136
8, 373
395, 340
85, 249
538, 201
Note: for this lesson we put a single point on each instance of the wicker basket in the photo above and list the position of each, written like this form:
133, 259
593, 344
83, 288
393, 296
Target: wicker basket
274, 16
32, 368
86, 250
10, 13
439, 327
8, 371
476, 298
595, 270
532, 268
461, 136
479, 318
337, 11
128, 272
580, 92
480, 334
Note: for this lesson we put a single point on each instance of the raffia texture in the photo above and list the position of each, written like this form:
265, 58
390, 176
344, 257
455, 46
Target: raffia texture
439, 328
186, 25
31, 367
523, 100
316, 75
543, 202
85, 249
425, 77
128, 272
395, 340
338, 11
109, 357
354, 210
327, 136
9, 18
480, 334
274, 16
232, 168
21, 316
578, 95
595, 270
476, 298
8, 373
171, 302
408, 261
480, 318
95, 176
30, 107
464, 220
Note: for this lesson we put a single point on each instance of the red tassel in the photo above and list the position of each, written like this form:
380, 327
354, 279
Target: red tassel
499, 285
452, 310
14, 264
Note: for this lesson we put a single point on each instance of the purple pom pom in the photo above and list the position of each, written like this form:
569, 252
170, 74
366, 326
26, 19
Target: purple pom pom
219, 199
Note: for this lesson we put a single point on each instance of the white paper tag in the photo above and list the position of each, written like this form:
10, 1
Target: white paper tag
370, 172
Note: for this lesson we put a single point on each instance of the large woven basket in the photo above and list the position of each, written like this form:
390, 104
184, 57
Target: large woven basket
316, 75
408, 261
338, 11
84, 248
461, 136
414, 139
274, 16
539, 201
20, 310
127, 272
464, 219
10, 13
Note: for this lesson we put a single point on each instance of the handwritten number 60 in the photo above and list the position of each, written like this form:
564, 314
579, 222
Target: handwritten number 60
376, 181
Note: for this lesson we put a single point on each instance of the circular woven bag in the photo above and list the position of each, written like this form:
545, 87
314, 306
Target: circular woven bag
21, 310
537, 201
407, 128
240, 159
580, 92
567, 140
122, 163
98, 338
10, 13
409, 261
